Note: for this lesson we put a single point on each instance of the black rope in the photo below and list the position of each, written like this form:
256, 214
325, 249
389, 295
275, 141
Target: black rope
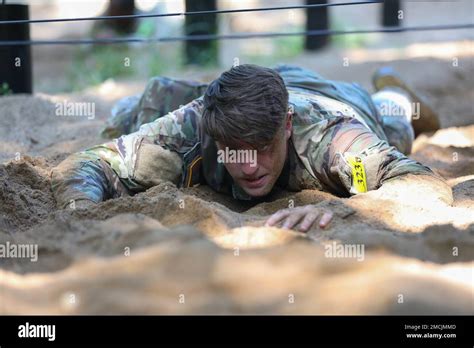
233, 36
176, 14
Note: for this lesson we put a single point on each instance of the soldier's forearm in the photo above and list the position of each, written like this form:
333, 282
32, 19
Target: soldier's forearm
78, 178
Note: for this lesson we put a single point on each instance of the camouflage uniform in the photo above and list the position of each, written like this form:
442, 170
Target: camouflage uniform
334, 124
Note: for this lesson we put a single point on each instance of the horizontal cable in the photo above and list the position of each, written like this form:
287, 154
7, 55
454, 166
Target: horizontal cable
232, 36
176, 14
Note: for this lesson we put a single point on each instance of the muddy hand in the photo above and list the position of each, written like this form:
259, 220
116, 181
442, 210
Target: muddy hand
305, 216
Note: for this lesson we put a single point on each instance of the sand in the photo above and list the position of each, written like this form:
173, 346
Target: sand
175, 251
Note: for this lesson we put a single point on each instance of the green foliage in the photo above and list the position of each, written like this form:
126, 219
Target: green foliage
349, 40
5, 89
283, 49
146, 28
289, 46
159, 58
92, 66
205, 57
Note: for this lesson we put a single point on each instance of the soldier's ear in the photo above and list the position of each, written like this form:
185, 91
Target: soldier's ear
288, 125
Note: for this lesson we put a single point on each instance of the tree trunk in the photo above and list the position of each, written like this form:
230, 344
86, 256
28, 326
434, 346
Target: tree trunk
201, 52
390, 10
317, 18
15, 61
121, 8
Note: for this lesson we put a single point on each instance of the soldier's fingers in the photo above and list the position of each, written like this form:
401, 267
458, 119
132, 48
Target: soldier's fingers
279, 215
308, 221
292, 220
325, 219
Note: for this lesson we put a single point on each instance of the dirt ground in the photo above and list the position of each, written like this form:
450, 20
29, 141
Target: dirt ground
176, 251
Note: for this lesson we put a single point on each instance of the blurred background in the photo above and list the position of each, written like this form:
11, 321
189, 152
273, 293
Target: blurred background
70, 68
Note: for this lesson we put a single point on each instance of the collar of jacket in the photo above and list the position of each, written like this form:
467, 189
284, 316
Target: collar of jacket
200, 166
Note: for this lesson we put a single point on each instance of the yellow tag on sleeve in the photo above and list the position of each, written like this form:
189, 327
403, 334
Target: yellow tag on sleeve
359, 181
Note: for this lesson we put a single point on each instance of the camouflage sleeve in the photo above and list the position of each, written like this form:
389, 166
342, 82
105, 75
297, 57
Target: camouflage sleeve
350, 159
130, 163
85, 176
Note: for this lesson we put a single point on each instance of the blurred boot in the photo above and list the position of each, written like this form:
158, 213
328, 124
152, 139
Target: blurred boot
427, 120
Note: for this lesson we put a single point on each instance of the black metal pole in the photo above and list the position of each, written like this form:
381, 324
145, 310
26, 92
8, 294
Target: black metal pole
15, 61
201, 52
390, 13
317, 18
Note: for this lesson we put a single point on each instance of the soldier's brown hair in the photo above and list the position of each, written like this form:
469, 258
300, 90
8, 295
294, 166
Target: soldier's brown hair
246, 103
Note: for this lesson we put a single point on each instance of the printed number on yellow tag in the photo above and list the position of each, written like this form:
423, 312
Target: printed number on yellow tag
359, 181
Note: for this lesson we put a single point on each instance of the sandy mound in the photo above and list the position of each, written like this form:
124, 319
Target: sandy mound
168, 250
183, 272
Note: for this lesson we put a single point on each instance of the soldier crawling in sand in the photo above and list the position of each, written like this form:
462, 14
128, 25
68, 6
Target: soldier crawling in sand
306, 132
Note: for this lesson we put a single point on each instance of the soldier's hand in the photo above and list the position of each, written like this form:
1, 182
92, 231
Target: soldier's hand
304, 217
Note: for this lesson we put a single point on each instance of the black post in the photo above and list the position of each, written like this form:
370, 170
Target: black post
390, 10
15, 61
201, 52
317, 18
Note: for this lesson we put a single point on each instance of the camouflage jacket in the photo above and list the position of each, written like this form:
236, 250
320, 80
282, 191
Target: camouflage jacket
338, 144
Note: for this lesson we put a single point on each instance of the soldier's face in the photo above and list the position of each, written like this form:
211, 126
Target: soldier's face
258, 170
